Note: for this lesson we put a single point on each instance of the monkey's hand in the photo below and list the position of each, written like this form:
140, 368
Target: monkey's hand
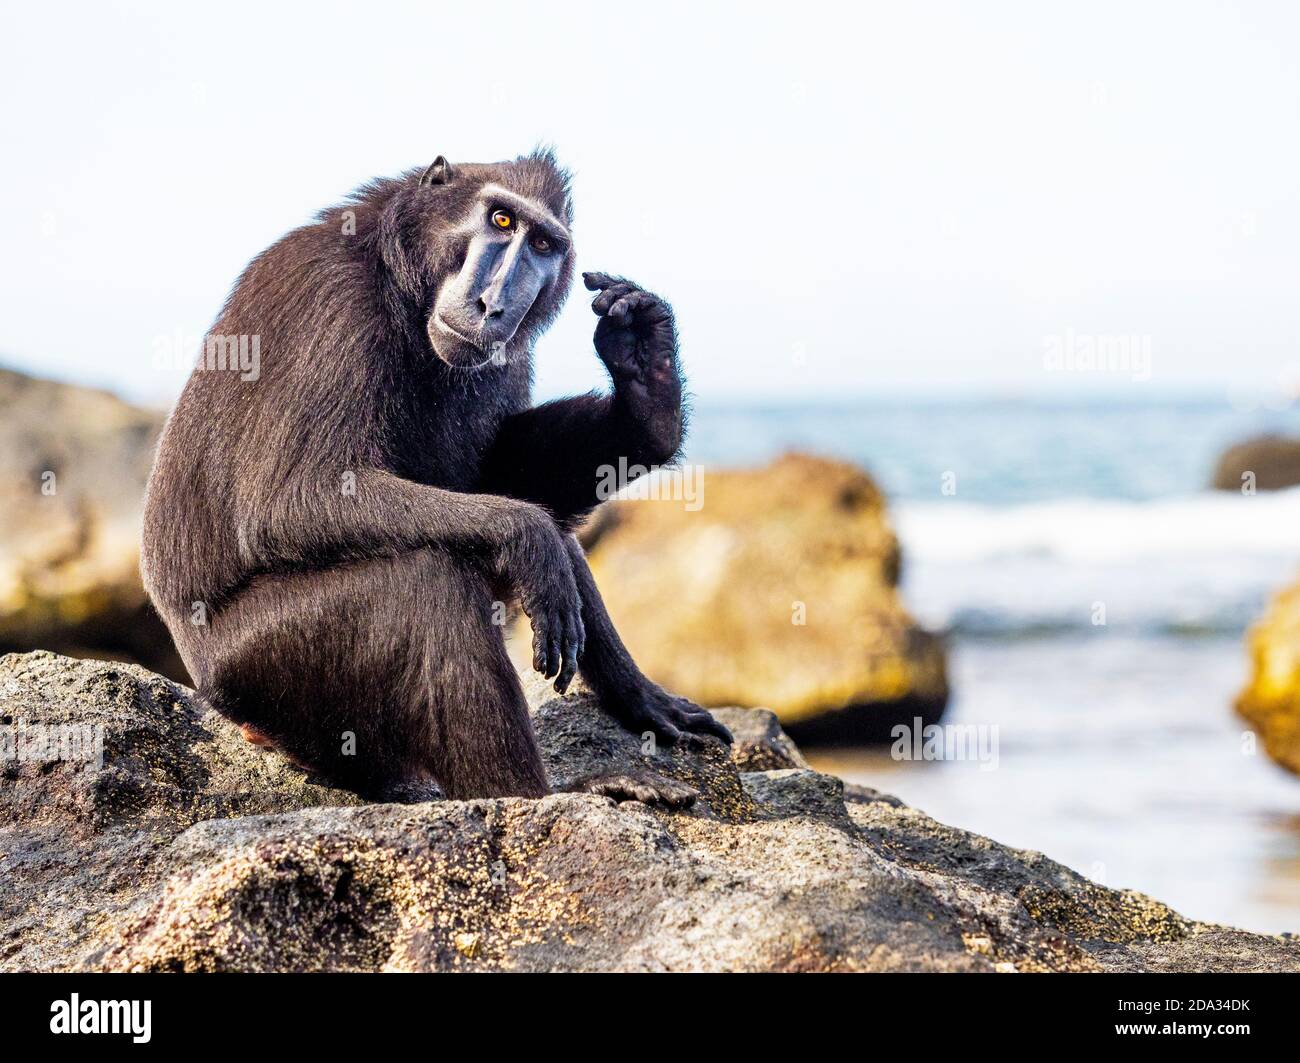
637, 340
645, 706
537, 563
635, 337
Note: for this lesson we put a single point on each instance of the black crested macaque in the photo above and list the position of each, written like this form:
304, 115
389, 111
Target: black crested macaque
331, 537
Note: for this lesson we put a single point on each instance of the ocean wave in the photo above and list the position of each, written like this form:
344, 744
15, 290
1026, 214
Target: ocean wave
1194, 566
1090, 529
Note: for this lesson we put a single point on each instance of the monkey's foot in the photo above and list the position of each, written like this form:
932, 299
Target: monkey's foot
648, 707
405, 792
648, 788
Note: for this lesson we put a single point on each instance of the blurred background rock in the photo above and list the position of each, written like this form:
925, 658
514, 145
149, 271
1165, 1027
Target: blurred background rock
780, 590
1271, 699
73, 467
1271, 461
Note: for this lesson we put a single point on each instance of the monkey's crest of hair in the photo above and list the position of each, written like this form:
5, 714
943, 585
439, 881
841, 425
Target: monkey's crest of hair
537, 175
409, 225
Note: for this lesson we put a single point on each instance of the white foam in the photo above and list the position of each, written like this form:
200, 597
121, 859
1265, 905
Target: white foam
1206, 561
1212, 522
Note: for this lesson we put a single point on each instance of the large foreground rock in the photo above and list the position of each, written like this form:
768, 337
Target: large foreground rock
779, 590
1271, 700
73, 467
189, 850
1274, 460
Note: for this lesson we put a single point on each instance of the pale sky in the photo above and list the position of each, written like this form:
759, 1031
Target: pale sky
839, 200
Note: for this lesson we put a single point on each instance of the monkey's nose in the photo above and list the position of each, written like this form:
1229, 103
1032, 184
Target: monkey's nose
492, 304
487, 311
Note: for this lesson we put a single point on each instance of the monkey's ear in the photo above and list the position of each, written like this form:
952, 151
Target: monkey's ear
440, 172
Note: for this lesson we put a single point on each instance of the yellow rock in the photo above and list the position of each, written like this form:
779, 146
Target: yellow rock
1271, 700
778, 591
73, 465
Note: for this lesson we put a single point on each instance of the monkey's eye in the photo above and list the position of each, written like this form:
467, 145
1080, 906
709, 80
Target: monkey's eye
541, 244
502, 220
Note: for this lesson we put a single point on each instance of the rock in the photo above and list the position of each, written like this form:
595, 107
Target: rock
760, 744
857, 794
1274, 459
1271, 700
77, 843
790, 792
190, 850
578, 740
73, 467
780, 590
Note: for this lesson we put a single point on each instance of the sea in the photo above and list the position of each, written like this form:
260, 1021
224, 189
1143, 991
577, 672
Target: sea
1095, 594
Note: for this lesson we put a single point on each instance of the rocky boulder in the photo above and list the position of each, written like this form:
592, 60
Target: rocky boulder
1271, 700
169, 844
1274, 460
73, 467
775, 587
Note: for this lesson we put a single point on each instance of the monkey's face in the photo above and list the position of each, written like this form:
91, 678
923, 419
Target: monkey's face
514, 257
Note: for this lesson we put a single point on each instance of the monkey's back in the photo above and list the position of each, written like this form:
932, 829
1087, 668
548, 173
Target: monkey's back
337, 389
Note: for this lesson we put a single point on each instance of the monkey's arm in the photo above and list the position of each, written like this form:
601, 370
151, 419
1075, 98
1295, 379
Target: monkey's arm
326, 519
570, 454
620, 686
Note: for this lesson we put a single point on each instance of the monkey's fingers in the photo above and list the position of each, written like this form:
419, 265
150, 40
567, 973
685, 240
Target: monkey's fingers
679, 720
539, 651
668, 733
555, 656
701, 722
596, 281
645, 787
573, 647
567, 670
611, 295
542, 641
697, 724
637, 300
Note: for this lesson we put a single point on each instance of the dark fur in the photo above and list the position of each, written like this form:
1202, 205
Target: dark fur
372, 613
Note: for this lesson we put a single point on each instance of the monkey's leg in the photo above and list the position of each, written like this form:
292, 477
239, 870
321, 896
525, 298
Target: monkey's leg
381, 677
387, 675
623, 690
483, 744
